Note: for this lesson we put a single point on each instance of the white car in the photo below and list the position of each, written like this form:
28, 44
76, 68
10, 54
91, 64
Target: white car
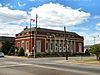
1, 54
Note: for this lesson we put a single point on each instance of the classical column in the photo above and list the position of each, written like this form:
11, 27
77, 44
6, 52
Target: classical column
45, 45
50, 45
54, 48
64, 46
58, 45
74, 47
55, 45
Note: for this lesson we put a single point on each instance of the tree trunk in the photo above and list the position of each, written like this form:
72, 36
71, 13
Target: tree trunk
98, 56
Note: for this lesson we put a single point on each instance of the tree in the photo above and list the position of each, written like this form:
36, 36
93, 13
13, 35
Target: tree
6, 47
87, 52
21, 52
95, 49
12, 51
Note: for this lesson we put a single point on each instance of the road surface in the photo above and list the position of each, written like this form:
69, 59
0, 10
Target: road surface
44, 66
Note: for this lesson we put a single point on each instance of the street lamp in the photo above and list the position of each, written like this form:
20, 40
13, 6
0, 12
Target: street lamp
66, 43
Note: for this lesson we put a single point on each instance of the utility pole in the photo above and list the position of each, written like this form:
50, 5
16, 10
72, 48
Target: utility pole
35, 38
30, 36
65, 43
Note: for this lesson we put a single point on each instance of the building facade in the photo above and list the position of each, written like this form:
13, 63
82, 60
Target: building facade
49, 41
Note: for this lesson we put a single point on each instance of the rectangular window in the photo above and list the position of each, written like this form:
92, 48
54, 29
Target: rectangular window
27, 44
56, 44
60, 45
23, 44
18, 44
46, 45
51, 46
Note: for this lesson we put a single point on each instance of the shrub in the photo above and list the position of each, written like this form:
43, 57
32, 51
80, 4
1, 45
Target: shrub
21, 52
87, 52
16, 51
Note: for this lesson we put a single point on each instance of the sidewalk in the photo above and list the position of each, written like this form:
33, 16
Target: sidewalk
81, 60
20, 57
71, 60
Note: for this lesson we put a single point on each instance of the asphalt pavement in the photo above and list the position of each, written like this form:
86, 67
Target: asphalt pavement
45, 66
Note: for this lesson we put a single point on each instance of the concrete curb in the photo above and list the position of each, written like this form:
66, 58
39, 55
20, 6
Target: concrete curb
16, 57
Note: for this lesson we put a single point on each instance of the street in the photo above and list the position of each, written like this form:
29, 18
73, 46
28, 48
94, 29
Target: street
44, 66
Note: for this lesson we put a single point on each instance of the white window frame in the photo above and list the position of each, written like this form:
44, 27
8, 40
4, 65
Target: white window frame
18, 44
46, 47
27, 45
22, 44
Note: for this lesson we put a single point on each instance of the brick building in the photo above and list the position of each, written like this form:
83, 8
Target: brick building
49, 41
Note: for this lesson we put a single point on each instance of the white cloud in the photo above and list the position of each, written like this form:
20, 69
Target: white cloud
89, 38
10, 30
57, 15
32, 0
10, 21
96, 17
21, 4
98, 24
98, 27
53, 16
9, 5
80, 28
8, 15
0, 5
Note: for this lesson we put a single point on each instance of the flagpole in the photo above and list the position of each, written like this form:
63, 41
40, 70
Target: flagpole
35, 38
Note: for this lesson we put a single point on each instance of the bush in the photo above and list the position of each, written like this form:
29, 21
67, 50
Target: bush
16, 51
87, 52
21, 52
38, 55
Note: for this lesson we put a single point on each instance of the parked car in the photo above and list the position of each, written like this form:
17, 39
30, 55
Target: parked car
1, 54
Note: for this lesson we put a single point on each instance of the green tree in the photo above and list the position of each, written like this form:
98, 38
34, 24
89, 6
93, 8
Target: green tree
87, 52
6, 47
95, 49
21, 52
12, 51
